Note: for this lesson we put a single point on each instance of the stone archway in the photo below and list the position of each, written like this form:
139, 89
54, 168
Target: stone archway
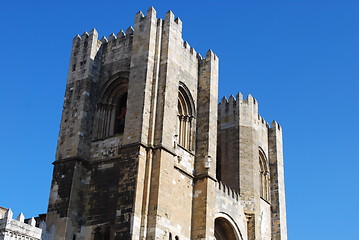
224, 230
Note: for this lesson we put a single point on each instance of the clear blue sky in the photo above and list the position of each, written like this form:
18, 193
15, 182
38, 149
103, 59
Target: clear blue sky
300, 59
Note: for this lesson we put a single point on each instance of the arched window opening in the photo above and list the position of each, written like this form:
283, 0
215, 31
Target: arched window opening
170, 236
186, 119
121, 114
111, 109
264, 176
224, 230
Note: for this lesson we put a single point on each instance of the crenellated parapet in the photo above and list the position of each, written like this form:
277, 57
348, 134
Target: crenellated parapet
228, 205
17, 228
227, 191
191, 50
117, 48
89, 52
238, 110
120, 36
175, 24
83, 54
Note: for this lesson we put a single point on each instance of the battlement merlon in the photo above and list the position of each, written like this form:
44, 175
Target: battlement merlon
170, 21
173, 24
86, 46
18, 227
151, 14
233, 107
84, 51
234, 103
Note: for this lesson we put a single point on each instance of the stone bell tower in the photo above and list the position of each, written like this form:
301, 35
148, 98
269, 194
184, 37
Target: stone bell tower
138, 137
146, 152
250, 161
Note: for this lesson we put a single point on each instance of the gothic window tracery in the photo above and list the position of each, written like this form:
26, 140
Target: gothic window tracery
264, 176
186, 119
111, 109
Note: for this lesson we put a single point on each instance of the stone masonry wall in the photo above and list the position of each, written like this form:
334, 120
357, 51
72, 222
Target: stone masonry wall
228, 206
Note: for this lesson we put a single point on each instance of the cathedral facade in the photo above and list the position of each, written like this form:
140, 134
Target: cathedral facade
145, 151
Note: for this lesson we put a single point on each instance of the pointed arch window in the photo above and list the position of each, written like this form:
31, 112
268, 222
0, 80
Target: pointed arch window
186, 119
264, 176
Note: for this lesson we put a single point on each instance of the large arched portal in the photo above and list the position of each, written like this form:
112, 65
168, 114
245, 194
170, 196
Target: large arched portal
224, 230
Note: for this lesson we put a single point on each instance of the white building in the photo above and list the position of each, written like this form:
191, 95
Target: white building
16, 228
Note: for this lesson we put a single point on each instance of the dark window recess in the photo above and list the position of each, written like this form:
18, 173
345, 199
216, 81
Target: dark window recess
63, 169
98, 235
107, 234
121, 114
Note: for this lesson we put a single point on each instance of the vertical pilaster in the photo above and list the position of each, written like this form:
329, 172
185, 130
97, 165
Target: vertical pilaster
249, 163
146, 208
205, 163
165, 102
278, 207
206, 146
168, 82
139, 115
248, 148
228, 141
140, 79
